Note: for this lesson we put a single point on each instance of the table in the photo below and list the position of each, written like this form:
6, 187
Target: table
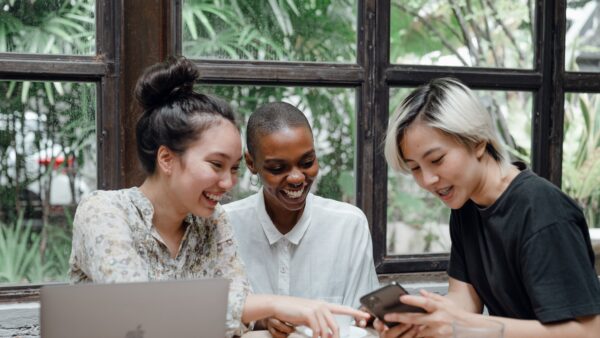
266, 334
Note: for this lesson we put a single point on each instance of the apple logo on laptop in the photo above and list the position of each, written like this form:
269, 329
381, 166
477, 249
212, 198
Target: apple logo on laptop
137, 333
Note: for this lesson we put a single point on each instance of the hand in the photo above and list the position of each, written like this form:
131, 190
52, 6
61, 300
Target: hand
277, 328
401, 330
437, 322
361, 322
317, 315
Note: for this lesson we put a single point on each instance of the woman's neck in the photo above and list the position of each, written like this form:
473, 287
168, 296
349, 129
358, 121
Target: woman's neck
283, 219
494, 181
168, 217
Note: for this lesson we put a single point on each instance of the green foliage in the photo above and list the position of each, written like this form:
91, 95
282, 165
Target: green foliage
581, 161
278, 30
481, 33
47, 27
19, 252
21, 260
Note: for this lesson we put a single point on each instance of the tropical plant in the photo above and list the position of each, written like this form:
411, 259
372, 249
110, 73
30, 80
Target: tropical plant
581, 159
19, 252
280, 30
20, 258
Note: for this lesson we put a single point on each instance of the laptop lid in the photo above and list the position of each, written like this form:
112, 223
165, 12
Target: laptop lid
182, 309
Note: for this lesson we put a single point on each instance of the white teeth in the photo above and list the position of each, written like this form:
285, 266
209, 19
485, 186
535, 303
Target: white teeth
213, 197
444, 192
293, 193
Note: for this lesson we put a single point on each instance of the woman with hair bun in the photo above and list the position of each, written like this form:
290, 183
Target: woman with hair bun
172, 226
520, 246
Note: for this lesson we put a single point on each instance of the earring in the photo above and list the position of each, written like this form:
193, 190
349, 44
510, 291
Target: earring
254, 180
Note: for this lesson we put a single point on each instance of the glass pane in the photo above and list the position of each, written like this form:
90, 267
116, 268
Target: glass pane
331, 113
583, 36
47, 163
483, 33
278, 30
48, 27
581, 159
417, 222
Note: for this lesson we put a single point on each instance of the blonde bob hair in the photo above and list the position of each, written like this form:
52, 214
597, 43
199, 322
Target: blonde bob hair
451, 107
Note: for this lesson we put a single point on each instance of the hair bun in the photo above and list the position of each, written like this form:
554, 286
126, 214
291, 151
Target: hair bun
164, 82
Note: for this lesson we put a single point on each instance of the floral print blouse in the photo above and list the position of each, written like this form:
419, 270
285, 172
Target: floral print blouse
114, 241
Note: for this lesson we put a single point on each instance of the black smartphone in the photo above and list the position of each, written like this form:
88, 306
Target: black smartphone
386, 300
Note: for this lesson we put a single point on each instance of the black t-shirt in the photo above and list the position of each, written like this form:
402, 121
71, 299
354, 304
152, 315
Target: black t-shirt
528, 255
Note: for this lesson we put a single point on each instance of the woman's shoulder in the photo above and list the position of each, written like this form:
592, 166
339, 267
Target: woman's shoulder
532, 189
108, 204
336, 208
539, 203
245, 203
107, 198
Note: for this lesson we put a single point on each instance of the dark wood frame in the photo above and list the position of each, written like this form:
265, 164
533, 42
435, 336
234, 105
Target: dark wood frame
126, 44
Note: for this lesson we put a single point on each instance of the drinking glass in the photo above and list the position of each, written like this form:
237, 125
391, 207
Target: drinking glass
480, 329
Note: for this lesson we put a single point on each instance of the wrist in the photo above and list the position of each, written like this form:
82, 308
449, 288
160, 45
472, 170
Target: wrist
270, 302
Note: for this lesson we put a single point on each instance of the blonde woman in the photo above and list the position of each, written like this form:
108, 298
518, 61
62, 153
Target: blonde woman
520, 246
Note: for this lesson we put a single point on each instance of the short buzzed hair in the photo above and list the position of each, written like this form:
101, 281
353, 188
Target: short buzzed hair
272, 117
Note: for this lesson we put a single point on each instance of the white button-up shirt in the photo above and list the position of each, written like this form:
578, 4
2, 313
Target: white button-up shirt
327, 255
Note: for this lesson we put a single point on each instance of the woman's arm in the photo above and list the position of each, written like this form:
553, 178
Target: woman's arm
317, 315
441, 312
583, 327
464, 296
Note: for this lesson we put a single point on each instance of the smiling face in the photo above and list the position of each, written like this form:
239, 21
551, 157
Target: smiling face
207, 169
287, 164
442, 165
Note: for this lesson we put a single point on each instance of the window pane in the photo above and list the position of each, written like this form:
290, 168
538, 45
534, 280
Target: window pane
582, 37
457, 33
47, 163
417, 222
331, 113
581, 159
48, 27
291, 30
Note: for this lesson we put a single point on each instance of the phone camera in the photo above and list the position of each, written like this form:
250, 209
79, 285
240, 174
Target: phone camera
373, 301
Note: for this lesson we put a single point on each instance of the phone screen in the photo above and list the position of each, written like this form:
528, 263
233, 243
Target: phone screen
386, 300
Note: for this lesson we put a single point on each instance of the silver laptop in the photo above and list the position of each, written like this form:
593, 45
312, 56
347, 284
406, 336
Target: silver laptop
182, 309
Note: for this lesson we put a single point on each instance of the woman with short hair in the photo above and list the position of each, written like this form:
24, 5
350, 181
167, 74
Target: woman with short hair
520, 246
292, 241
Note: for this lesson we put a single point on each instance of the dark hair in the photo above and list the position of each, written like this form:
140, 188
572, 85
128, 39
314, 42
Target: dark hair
270, 118
174, 114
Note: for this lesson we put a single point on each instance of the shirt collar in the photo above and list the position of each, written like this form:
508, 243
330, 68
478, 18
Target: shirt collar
143, 205
273, 235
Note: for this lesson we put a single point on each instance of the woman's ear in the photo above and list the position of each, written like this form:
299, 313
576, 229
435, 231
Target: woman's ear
480, 149
165, 159
249, 162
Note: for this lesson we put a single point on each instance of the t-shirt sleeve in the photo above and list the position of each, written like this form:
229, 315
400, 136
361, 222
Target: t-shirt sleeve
457, 266
558, 274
